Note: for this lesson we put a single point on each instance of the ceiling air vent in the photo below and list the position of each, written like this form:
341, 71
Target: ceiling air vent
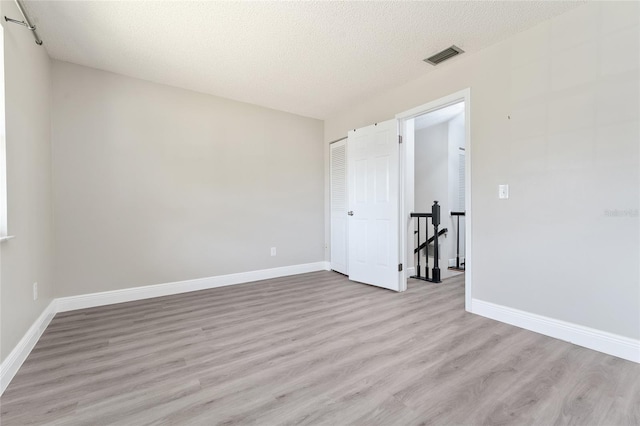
447, 53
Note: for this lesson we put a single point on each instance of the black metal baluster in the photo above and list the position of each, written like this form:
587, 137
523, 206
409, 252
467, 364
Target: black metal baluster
418, 266
458, 243
426, 248
435, 219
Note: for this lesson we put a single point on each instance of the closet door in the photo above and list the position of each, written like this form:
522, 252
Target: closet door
339, 234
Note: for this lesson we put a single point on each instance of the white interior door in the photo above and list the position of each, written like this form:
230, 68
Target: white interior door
373, 192
339, 203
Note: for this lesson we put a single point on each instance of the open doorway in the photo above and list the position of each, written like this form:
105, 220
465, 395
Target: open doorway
439, 172
436, 167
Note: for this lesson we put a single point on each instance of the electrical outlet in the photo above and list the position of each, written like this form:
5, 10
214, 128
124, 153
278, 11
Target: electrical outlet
35, 291
273, 251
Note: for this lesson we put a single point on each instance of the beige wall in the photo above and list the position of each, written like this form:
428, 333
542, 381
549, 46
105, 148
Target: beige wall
154, 184
26, 258
554, 114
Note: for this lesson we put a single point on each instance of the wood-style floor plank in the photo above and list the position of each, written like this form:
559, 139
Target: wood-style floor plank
312, 349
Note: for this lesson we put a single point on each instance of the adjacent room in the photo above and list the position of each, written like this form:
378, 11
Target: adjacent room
319, 212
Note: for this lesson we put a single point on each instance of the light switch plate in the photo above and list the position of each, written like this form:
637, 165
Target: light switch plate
503, 191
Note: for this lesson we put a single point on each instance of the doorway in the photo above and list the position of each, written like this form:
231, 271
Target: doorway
436, 166
439, 178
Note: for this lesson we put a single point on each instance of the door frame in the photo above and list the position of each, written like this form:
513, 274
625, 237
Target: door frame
407, 158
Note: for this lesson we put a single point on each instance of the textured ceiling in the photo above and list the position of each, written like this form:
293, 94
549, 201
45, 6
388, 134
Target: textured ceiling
309, 58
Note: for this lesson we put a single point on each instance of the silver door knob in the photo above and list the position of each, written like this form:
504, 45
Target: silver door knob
350, 213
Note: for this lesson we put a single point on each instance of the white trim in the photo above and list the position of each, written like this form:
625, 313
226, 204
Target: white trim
404, 117
601, 341
91, 300
436, 104
468, 206
622, 347
403, 170
4, 212
19, 354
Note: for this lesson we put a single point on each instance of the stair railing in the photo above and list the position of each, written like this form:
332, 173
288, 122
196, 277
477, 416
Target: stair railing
435, 222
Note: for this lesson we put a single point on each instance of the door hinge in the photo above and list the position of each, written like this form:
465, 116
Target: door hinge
400, 267
399, 138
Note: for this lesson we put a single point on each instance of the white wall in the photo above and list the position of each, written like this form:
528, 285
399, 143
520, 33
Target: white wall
554, 113
26, 258
155, 184
456, 134
431, 167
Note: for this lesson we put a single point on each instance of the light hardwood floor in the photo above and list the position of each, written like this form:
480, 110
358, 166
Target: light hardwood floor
312, 349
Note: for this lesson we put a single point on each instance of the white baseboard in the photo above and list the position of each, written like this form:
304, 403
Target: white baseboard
19, 354
411, 271
622, 347
602, 341
452, 262
92, 300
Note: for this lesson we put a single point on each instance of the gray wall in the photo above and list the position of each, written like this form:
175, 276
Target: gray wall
26, 258
154, 184
554, 113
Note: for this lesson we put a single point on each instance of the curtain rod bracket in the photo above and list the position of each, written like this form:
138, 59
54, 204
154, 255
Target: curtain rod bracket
25, 22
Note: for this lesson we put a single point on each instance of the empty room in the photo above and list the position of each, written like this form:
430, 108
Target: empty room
319, 213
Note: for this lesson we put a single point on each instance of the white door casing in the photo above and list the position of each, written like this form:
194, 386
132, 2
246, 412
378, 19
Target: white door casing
407, 206
373, 193
339, 204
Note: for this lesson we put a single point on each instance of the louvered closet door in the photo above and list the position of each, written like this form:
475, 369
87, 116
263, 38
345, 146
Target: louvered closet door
339, 234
